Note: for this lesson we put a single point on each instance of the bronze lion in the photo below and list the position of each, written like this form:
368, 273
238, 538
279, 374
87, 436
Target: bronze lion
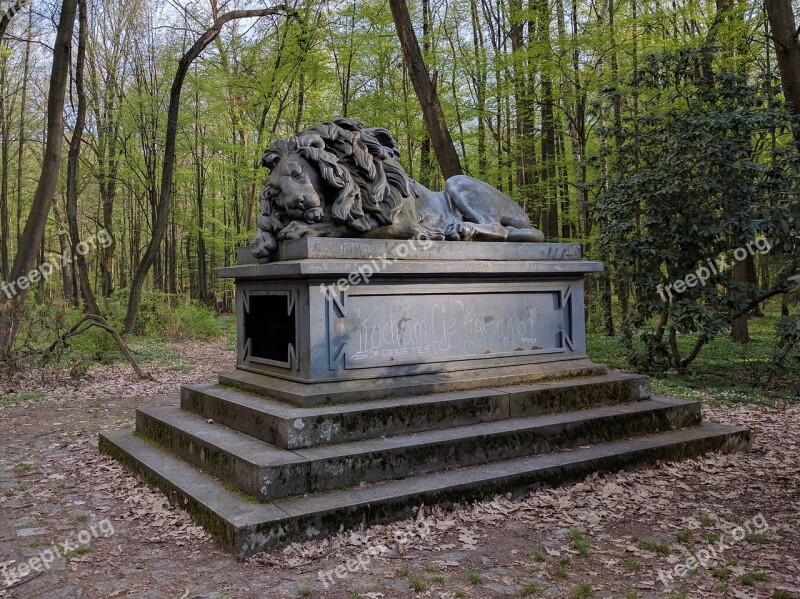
339, 179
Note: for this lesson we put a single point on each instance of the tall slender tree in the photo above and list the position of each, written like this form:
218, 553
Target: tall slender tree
168, 168
33, 235
426, 91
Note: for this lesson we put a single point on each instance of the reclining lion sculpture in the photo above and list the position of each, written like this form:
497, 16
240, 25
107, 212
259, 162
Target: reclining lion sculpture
339, 179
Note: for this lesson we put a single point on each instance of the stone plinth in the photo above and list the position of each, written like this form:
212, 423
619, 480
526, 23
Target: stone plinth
341, 320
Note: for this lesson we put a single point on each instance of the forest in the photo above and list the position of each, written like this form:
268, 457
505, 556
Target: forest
658, 134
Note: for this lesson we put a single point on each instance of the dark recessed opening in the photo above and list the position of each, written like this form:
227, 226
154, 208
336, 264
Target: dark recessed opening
269, 327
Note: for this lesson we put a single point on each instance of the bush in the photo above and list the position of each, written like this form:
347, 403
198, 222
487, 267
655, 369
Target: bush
165, 316
686, 195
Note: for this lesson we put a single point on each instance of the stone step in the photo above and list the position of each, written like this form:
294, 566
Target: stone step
294, 427
267, 472
245, 527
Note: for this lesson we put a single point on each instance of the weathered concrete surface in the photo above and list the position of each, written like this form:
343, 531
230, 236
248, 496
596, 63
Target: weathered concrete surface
245, 527
416, 317
268, 473
326, 248
305, 394
292, 427
294, 269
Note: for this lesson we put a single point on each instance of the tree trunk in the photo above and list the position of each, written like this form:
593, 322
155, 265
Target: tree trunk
72, 167
787, 49
26, 70
33, 234
426, 92
480, 86
740, 330
5, 130
68, 271
5, 163
162, 212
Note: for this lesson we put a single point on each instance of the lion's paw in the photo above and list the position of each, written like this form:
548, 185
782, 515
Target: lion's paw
464, 231
295, 230
263, 245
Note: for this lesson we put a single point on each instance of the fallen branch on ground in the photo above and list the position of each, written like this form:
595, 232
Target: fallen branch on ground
94, 320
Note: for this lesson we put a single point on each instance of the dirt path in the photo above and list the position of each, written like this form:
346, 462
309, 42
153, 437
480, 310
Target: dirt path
616, 536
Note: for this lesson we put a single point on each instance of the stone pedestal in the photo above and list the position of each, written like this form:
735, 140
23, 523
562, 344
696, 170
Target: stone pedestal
343, 320
375, 376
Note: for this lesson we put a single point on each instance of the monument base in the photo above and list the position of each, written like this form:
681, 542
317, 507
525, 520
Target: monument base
341, 320
444, 372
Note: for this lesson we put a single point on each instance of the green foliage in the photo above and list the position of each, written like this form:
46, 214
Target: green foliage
752, 577
689, 186
582, 591
21, 398
165, 316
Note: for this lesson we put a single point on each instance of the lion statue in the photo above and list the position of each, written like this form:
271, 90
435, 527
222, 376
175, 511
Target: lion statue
339, 179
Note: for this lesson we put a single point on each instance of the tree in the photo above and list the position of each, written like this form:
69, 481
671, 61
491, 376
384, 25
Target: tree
72, 165
426, 92
681, 214
787, 50
33, 234
168, 168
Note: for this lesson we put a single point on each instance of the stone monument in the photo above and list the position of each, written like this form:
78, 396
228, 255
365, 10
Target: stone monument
396, 346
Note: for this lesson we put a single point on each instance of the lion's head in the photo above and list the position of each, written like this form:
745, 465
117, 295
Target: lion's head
334, 171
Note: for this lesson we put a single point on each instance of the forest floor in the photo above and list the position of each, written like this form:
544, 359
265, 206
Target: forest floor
618, 536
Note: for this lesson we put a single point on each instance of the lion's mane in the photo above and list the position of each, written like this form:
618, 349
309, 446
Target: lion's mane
359, 164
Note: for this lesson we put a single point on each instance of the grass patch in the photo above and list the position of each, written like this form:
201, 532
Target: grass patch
459, 593
683, 536
756, 538
634, 565
582, 591
659, 547
560, 573
538, 555
730, 518
752, 577
721, 573
724, 371
80, 550
305, 591
712, 537
417, 584
579, 542
21, 398
531, 589
474, 577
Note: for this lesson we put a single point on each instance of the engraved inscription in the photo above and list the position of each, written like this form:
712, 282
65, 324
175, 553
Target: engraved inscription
391, 330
